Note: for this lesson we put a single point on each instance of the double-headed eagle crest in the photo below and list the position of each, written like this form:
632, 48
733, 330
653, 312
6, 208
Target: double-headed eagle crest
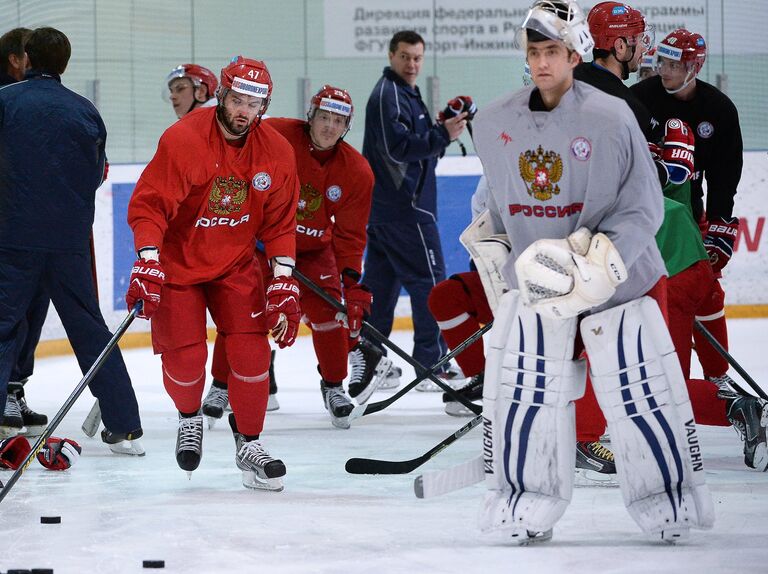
310, 201
227, 195
541, 171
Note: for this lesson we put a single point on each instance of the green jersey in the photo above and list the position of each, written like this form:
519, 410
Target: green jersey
679, 238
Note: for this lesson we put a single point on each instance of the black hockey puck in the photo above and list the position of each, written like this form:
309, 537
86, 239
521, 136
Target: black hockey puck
153, 564
50, 520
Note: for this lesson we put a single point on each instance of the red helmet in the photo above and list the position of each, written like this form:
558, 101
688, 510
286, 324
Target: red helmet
611, 20
249, 77
199, 75
684, 46
331, 99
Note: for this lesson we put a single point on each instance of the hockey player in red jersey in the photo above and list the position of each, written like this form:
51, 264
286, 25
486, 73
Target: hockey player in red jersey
220, 179
190, 87
334, 203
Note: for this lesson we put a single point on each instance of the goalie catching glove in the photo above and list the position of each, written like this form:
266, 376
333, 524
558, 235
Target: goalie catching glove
562, 278
283, 313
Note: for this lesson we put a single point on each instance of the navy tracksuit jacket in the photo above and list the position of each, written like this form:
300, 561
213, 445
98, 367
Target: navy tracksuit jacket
402, 146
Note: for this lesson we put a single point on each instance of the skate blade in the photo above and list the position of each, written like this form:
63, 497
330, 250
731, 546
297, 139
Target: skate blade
673, 535
34, 430
211, 421
272, 404
340, 422
254, 482
456, 409
530, 538
128, 448
389, 384
585, 477
8, 432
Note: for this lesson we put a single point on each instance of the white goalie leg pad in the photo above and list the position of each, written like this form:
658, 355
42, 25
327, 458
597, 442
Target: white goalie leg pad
489, 252
529, 436
640, 388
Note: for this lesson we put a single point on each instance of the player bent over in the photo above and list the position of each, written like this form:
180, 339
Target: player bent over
575, 189
219, 180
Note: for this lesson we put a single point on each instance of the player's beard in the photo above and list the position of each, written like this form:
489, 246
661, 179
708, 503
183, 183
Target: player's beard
228, 121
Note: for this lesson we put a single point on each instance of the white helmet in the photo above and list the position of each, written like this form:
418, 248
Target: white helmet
561, 20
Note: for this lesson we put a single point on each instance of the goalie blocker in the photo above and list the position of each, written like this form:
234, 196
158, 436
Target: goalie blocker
531, 382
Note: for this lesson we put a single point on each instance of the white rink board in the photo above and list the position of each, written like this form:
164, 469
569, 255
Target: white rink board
745, 279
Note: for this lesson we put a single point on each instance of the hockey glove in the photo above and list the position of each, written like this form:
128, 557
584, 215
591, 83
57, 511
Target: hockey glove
358, 298
59, 453
719, 240
677, 151
456, 106
13, 451
147, 278
283, 313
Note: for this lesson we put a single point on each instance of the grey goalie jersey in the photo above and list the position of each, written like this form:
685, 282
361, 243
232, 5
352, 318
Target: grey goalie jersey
583, 164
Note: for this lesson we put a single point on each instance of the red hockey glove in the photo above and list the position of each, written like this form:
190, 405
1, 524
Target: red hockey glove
283, 313
147, 278
656, 151
719, 240
59, 453
13, 451
456, 106
678, 148
358, 298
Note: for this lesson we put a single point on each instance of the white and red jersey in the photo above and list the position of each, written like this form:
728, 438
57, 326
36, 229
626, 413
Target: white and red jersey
204, 202
335, 197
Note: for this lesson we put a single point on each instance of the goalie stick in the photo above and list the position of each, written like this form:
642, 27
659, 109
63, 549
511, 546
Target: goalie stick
375, 466
92, 421
384, 340
449, 479
84, 382
737, 367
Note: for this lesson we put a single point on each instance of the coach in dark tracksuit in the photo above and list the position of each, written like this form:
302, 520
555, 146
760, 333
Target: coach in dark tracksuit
13, 64
402, 145
52, 160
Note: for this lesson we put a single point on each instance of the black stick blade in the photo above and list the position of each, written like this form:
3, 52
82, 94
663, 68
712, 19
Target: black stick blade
373, 466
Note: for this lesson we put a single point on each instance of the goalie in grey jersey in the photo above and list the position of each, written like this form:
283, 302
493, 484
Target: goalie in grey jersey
574, 187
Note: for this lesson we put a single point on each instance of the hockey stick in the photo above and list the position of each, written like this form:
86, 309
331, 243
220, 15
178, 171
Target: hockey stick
384, 340
84, 382
91, 423
449, 479
370, 408
374, 466
727, 356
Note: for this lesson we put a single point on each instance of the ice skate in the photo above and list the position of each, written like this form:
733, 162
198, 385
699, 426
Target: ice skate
260, 470
34, 423
452, 376
12, 422
272, 404
126, 443
530, 537
337, 404
368, 369
189, 442
391, 378
749, 416
472, 391
595, 465
215, 403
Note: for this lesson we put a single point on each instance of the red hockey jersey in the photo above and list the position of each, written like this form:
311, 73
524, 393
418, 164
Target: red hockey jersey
204, 202
335, 197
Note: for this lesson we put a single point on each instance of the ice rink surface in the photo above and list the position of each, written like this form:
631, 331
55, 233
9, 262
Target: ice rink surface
117, 511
